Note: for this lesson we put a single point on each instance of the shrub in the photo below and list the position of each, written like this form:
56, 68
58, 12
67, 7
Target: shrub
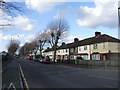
79, 58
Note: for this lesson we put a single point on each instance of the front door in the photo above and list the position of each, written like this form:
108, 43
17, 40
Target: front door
104, 57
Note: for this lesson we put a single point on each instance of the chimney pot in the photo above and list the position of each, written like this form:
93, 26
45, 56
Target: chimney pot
76, 39
97, 34
63, 43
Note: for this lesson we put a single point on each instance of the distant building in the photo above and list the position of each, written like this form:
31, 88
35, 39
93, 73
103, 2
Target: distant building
99, 47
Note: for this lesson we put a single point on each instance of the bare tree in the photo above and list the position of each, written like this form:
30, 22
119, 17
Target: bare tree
33, 47
13, 47
58, 27
26, 49
21, 51
11, 9
41, 39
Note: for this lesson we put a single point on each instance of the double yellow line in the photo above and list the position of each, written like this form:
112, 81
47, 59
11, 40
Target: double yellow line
23, 77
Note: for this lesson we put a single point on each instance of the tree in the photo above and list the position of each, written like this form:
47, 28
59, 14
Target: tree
26, 49
41, 39
33, 47
9, 10
21, 51
57, 29
13, 47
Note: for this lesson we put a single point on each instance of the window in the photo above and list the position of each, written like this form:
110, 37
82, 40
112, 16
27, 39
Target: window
76, 49
79, 49
59, 51
95, 57
65, 57
71, 57
71, 50
66, 50
95, 46
85, 47
104, 45
85, 57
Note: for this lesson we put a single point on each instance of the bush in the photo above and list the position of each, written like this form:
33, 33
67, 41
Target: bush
58, 60
79, 58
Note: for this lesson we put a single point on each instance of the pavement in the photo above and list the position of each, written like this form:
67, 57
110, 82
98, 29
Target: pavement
117, 69
10, 76
40, 75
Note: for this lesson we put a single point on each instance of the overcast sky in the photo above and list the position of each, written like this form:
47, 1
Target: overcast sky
84, 19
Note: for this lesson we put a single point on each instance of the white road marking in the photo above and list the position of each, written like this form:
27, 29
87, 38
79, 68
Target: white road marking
3, 86
20, 81
11, 85
26, 84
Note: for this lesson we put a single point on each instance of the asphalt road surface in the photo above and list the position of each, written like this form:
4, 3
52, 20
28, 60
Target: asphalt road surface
38, 75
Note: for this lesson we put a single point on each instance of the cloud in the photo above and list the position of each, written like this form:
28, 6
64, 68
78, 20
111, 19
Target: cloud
4, 19
71, 39
30, 38
41, 5
24, 23
21, 22
61, 13
103, 14
9, 37
21, 45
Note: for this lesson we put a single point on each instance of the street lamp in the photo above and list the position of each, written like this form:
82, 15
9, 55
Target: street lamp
119, 16
119, 22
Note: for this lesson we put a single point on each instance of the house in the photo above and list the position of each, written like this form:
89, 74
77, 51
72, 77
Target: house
98, 47
63, 52
105, 47
48, 52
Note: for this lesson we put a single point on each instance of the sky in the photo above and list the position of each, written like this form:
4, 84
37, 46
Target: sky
84, 18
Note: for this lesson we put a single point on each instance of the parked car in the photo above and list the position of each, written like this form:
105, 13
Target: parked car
30, 57
35, 59
46, 61
41, 60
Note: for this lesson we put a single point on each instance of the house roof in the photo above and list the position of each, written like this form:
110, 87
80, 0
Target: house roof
64, 46
105, 38
48, 49
98, 39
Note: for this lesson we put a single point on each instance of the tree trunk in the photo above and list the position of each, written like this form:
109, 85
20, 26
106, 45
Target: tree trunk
54, 56
40, 53
55, 49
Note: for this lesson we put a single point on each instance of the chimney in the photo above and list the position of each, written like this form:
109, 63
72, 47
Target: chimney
76, 39
97, 34
63, 43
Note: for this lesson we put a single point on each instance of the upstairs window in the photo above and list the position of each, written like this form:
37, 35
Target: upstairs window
79, 49
58, 51
95, 46
104, 46
85, 47
71, 50
76, 49
66, 50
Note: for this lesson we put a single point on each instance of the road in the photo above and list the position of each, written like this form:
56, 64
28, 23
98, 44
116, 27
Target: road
40, 75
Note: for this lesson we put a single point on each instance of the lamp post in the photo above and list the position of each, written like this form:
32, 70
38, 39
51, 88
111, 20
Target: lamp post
119, 22
119, 15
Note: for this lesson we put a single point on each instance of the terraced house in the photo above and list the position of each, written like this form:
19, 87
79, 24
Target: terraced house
98, 47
